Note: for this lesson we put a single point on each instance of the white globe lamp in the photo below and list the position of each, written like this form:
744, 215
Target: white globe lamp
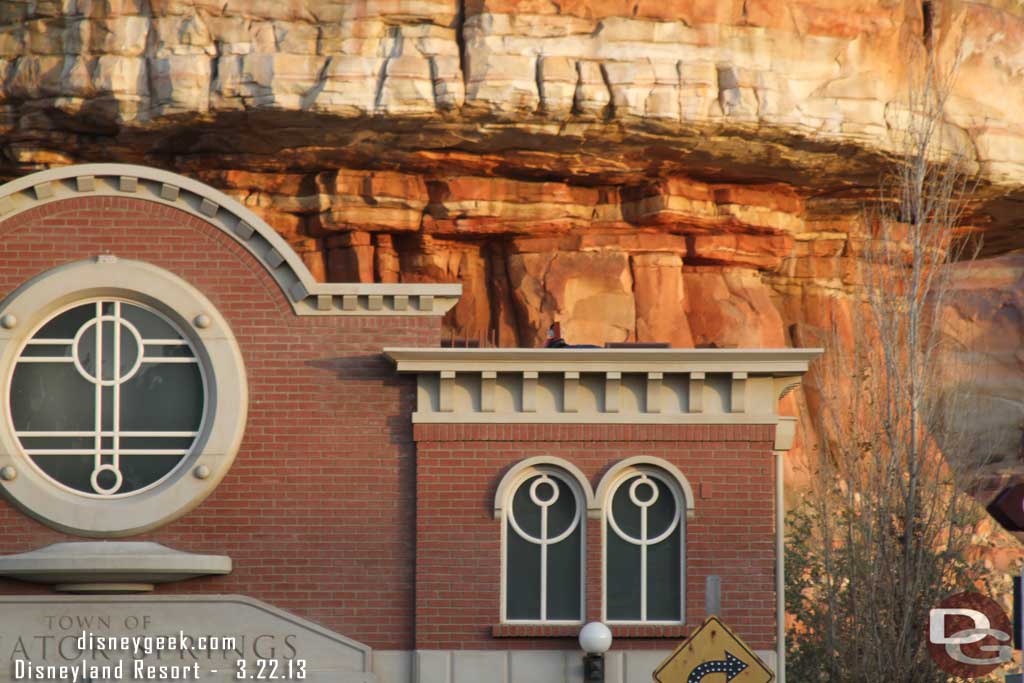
595, 640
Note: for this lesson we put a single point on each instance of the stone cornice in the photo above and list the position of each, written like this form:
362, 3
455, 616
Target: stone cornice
306, 295
777, 362
604, 386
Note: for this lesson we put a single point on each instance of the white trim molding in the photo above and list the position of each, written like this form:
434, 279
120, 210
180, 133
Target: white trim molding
226, 397
515, 473
304, 293
603, 386
615, 470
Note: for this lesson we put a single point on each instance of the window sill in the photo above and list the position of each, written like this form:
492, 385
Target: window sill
536, 630
675, 631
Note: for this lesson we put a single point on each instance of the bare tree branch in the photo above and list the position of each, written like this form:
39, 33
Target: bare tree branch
887, 530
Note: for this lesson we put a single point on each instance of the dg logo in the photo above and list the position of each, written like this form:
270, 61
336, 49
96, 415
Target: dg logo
969, 635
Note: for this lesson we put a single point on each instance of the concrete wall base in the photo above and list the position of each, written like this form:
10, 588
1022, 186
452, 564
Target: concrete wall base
516, 666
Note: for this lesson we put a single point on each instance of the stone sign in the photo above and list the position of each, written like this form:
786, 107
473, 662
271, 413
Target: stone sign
213, 638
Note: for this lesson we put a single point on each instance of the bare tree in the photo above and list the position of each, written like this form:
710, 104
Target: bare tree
886, 531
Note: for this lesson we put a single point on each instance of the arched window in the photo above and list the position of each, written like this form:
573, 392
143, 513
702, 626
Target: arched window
543, 509
644, 509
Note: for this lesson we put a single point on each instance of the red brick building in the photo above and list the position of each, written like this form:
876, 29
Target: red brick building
190, 417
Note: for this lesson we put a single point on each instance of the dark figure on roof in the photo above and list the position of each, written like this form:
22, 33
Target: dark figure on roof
555, 340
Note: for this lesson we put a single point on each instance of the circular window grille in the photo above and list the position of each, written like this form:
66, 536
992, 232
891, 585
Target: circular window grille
648, 507
107, 398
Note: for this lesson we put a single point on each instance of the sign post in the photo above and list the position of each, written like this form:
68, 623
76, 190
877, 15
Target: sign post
1018, 624
1018, 627
713, 595
1008, 509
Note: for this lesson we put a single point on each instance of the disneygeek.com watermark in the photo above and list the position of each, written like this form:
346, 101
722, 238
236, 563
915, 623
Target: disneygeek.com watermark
969, 635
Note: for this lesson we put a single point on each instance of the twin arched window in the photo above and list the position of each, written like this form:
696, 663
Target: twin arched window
543, 504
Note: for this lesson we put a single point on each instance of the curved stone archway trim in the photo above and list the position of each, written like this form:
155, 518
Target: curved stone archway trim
306, 295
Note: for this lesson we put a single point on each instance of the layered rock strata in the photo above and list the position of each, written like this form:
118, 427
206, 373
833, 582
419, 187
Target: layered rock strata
690, 171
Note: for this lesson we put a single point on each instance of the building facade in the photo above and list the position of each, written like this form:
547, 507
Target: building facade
200, 438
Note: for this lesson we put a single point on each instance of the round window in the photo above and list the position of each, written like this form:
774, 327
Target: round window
107, 397
125, 397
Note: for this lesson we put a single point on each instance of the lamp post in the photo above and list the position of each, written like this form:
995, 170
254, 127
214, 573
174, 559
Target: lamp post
595, 640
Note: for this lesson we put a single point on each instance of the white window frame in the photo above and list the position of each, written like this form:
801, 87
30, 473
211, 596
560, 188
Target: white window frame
683, 494
510, 484
221, 430
98, 452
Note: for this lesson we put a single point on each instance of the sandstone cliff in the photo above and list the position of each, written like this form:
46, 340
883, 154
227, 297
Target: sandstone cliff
689, 171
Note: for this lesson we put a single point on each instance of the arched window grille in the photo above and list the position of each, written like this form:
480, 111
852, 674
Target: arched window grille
644, 553
543, 534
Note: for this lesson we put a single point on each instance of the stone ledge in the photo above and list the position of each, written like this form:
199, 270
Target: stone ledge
109, 566
778, 362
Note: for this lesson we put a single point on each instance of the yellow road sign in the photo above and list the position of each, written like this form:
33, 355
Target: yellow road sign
713, 654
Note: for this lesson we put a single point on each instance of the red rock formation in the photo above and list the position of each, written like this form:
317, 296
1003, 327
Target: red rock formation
690, 171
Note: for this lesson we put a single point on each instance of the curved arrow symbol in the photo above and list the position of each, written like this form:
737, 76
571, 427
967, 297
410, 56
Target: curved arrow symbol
730, 666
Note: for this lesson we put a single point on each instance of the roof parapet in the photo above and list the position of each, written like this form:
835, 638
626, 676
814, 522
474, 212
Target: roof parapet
604, 386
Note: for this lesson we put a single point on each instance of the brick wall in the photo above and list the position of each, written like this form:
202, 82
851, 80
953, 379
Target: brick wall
328, 507
317, 510
458, 551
